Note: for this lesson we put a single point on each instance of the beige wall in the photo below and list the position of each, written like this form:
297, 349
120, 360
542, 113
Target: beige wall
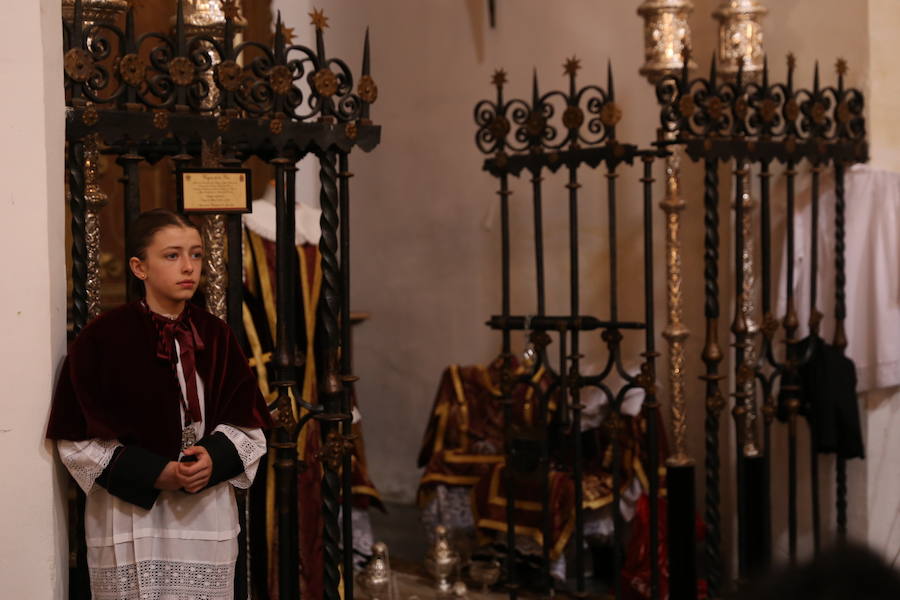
33, 555
884, 84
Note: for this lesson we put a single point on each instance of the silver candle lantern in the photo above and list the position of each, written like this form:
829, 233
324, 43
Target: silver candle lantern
740, 50
666, 35
667, 42
96, 11
740, 38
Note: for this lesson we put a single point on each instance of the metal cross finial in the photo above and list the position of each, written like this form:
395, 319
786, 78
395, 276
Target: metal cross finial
841, 67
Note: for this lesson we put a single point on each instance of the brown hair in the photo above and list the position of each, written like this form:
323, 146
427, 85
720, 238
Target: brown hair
142, 230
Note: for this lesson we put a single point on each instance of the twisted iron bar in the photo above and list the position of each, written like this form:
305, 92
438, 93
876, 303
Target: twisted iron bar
331, 386
78, 209
840, 336
840, 277
712, 355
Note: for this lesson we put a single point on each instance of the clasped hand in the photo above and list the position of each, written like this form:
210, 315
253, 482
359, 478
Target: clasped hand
189, 476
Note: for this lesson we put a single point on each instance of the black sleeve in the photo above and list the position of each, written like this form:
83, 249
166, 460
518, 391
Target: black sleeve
226, 462
131, 474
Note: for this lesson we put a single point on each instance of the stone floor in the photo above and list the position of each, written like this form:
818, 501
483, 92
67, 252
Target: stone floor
401, 530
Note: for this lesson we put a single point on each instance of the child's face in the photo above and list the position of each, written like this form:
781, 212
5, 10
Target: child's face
174, 261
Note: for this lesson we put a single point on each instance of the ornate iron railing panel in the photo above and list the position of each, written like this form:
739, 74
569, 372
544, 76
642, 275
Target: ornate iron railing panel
573, 131
757, 123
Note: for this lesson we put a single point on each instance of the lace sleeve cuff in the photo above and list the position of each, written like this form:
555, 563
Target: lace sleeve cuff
86, 459
250, 445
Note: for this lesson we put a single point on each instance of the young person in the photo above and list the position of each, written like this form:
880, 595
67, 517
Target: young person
158, 418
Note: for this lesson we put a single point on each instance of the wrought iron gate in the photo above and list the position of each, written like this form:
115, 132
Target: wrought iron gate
202, 97
755, 124
574, 131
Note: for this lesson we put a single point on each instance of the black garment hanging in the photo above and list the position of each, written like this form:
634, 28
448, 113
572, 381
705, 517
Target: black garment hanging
828, 399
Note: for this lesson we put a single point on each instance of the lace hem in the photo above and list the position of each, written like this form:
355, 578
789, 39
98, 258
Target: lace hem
164, 580
251, 446
86, 459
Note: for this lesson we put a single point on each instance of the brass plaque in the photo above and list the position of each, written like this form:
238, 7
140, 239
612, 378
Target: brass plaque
211, 191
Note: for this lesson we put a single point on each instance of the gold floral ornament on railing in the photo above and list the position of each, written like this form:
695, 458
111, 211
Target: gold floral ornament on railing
202, 67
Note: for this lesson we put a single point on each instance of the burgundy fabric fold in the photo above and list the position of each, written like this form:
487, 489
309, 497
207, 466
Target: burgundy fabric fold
115, 385
182, 329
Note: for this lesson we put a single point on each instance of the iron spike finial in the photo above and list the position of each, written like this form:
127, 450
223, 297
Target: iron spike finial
129, 28
610, 89
816, 77
78, 20
179, 27
279, 32
740, 76
278, 40
365, 61
685, 63
366, 82
535, 95
713, 70
765, 73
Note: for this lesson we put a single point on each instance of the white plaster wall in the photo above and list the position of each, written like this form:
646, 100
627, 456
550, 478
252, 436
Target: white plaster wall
33, 554
884, 85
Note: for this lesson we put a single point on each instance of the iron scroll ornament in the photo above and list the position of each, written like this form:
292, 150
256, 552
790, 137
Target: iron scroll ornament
105, 65
807, 123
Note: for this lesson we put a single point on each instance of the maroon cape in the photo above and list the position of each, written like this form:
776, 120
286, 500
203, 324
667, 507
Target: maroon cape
113, 385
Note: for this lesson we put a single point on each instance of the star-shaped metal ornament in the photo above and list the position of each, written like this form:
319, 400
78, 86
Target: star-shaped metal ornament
571, 66
499, 77
287, 33
318, 18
